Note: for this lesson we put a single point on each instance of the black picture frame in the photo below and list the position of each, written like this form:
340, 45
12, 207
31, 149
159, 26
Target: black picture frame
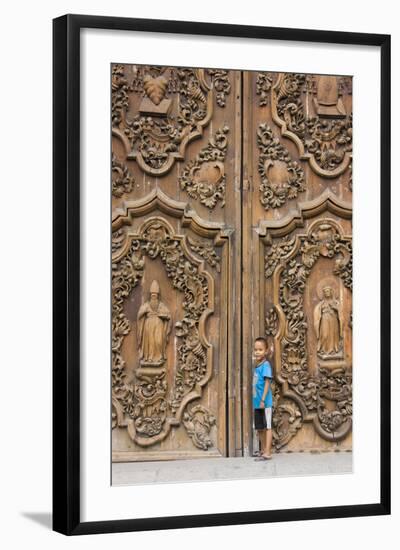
66, 273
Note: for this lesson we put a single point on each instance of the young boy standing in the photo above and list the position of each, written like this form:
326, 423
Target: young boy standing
262, 396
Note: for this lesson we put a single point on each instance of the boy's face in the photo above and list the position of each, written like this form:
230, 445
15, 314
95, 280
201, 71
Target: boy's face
260, 351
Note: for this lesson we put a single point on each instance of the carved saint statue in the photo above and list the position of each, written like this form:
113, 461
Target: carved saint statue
154, 326
328, 324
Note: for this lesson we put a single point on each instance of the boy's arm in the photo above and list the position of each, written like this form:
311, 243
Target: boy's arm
266, 387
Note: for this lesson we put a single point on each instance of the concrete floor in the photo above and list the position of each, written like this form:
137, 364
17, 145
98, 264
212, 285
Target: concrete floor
212, 469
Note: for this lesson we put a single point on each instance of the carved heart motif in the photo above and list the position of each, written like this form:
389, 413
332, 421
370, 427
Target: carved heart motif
279, 176
208, 172
155, 88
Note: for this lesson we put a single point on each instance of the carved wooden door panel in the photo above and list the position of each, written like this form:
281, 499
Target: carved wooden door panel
176, 261
231, 218
297, 210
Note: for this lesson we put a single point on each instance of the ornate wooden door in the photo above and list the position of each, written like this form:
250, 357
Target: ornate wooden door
231, 218
176, 261
297, 257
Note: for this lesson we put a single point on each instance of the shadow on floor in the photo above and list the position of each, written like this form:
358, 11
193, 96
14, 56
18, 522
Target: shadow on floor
42, 518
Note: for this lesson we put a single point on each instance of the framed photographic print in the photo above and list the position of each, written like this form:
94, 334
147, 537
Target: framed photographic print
221, 274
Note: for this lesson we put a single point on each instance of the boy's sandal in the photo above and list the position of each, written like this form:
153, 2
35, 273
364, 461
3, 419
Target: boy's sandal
266, 457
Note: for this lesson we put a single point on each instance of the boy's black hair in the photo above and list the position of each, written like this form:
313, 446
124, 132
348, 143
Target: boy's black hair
262, 339
266, 344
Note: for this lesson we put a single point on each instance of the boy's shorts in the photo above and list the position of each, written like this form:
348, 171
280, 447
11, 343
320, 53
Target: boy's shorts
263, 418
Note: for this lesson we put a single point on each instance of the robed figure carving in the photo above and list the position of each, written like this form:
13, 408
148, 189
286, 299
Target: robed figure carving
154, 326
328, 325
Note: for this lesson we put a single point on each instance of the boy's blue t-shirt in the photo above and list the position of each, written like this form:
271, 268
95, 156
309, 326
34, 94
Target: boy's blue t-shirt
262, 371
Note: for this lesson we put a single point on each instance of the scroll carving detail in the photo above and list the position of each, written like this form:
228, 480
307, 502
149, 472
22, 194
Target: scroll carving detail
221, 85
119, 96
287, 420
263, 86
198, 423
122, 180
271, 322
206, 251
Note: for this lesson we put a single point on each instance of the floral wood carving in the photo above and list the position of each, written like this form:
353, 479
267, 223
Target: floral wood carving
204, 177
198, 423
122, 180
281, 178
118, 239
263, 86
287, 420
119, 94
171, 106
310, 112
276, 252
323, 397
271, 322
222, 85
206, 251
336, 386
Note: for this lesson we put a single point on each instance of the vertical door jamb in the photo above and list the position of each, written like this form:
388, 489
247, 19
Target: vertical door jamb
248, 267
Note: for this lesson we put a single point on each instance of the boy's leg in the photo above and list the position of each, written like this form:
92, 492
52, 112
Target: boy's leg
268, 433
256, 443
261, 437
264, 433
268, 442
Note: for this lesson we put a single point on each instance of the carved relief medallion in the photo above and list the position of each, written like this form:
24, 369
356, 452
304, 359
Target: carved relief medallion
311, 112
204, 177
158, 111
281, 177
